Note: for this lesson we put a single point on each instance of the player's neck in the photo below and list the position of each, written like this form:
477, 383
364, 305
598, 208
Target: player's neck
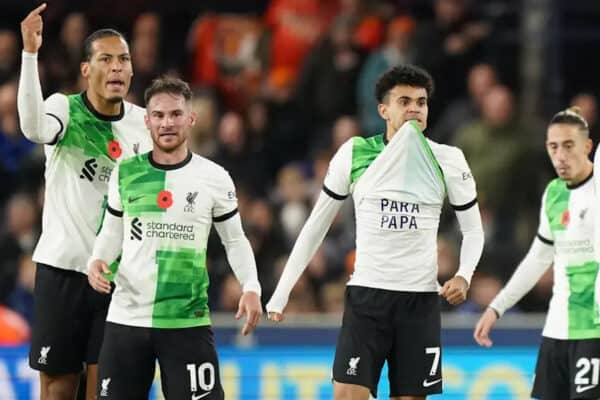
174, 157
102, 106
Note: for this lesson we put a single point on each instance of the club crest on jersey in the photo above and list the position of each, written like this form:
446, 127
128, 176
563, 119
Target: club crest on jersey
565, 219
190, 199
104, 390
44, 355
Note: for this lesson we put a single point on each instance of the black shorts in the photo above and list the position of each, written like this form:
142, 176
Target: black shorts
402, 328
189, 368
567, 369
68, 321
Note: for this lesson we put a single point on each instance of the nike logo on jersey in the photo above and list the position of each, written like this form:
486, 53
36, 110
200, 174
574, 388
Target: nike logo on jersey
427, 383
580, 388
133, 199
197, 397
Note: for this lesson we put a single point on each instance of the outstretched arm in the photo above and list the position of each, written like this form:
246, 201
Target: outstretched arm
308, 242
40, 123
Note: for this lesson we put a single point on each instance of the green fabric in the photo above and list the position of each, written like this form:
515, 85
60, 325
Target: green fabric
364, 152
181, 289
139, 186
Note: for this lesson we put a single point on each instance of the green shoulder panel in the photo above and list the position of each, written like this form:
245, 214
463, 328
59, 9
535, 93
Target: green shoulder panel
140, 185
557, 204
364, 151
85, 131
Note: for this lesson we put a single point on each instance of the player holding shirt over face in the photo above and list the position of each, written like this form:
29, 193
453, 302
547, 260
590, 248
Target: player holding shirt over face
85, 135
567, 365
161, 206
398, 181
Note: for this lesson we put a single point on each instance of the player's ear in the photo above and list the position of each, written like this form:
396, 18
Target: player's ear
85, 69
589, 145
193, 118
382, 110
147, 121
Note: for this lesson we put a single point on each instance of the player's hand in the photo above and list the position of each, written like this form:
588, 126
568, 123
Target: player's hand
275, 316
249, 305
96, 277
486, 322
31, 30
455, 290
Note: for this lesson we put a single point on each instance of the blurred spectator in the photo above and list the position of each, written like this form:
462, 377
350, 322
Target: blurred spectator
13, 328
9, 55
292, 192
230, 294
267, 243
21, 299
295, 27
14, 147
484, 287
515, 153
368, 27
17, 241
64, 56
344, 128
481, 78
237, 154
302, 297
288, 133
226, 56
145, 55
396, 50
327, 84
588, 104
202, 139
447, 47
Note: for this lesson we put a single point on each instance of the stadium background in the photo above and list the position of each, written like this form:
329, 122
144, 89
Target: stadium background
279, 85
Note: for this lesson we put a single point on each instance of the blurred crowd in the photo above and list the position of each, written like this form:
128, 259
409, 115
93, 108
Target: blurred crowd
278, 88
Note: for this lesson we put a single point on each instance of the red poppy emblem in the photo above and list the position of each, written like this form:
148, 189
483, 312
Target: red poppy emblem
565, 218
114, 149
164, 199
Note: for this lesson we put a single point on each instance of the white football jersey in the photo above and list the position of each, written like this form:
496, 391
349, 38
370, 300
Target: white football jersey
398, 190
78, 167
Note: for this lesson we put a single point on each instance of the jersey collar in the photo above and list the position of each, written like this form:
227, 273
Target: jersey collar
583, 182
98, 115
170, 167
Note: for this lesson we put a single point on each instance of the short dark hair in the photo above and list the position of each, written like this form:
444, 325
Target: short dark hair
571, 116
99, 34
405, 74
168, 84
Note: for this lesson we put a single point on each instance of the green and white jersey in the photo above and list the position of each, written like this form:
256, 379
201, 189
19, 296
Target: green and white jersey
78, 167
567, 222
167, 212
398, 190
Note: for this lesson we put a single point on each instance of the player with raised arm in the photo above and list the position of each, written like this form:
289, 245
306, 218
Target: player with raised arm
398, 181
84, 137
567, 365
161, 206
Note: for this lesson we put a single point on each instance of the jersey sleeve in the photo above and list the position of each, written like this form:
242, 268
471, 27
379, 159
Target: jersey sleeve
114, 205
225, 200
337, 180
43, 122
544, 232
460, 184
